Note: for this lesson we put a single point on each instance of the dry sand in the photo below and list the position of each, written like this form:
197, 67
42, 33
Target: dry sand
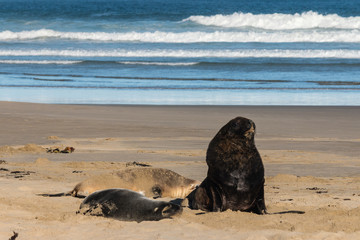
311, 157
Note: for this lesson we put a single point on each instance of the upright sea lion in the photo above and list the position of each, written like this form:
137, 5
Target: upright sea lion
152, 182
127, 205
235, 177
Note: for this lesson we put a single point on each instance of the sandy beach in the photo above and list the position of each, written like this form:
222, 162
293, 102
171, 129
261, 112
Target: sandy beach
311, 158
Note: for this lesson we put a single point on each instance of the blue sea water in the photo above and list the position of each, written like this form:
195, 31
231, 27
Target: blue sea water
232, 52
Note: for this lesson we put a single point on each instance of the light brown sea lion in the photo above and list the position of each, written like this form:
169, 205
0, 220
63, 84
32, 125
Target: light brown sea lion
152, 182
127, 205
235, 178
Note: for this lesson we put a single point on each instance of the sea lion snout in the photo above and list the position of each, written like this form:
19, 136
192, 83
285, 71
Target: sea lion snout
239, 126
252, 130
194, 186
252, 127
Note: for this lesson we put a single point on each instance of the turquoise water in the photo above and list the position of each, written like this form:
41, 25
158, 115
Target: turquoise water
180, 52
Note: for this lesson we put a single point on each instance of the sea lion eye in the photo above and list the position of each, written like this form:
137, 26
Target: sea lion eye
156, 189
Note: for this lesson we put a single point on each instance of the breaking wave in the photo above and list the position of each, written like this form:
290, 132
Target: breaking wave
159, 63
313, 35
251, 53
278, 21
38, 62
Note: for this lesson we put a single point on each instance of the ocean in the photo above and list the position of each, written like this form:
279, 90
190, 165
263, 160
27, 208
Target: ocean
180, 52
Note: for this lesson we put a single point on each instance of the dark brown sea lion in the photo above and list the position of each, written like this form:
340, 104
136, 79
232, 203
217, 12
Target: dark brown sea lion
152, 182
127, 205
235, 178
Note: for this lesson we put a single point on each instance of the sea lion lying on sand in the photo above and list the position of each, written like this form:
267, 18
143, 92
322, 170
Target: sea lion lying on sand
152, 182
235, 178
127, 205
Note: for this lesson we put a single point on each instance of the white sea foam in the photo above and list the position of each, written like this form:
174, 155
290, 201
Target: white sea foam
37, 62
263, 53
161, 63
310, 35
278, 21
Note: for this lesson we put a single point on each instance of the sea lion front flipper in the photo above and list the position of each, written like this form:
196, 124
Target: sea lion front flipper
199, 199
171, 210
72, 193
259, 206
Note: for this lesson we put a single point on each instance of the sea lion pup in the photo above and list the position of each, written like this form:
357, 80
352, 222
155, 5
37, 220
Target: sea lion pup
235, 177
153, 182
127, 205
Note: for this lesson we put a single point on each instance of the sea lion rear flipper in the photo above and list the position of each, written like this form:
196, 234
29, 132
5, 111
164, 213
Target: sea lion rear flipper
63, 194
55, 194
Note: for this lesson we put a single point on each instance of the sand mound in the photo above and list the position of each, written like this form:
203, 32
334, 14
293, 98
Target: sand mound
7, 150
28, 148
31, 148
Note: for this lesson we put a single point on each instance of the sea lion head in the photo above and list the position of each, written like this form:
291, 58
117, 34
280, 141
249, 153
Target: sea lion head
236, 138
238, 128
189, 186
178, 191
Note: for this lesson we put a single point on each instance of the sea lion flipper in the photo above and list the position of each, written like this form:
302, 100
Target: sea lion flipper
259, 206
199, 199
170, 210
54, 194
73, 193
